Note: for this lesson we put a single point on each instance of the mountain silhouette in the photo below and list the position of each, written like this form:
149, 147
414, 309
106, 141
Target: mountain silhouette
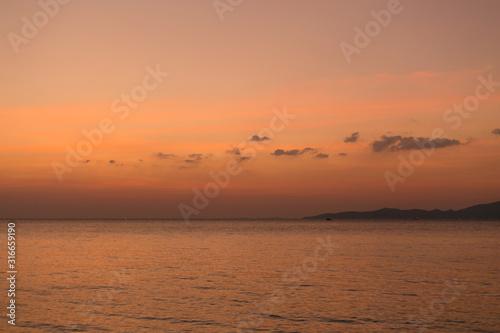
478, 212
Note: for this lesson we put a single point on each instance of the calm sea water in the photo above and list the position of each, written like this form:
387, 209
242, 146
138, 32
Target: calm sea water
256, 276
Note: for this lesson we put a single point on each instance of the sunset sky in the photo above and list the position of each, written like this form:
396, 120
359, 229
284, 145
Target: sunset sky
230, 72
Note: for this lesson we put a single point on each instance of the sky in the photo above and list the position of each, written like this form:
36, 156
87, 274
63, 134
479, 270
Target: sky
221, 109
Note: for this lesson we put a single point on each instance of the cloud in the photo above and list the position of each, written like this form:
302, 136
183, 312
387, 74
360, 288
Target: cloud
397, 143
353, 138
115, 163
84, 162
294, 152
321, 155
243, 158
196, 158
234, 151
256, 138
279, 152
237, 152
163, 156
343, 154
496, 131
193, 160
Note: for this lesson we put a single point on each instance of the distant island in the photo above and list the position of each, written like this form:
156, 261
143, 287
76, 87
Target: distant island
478, 212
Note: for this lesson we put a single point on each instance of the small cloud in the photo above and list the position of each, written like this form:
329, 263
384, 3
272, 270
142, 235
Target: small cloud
84, 162
307, 150
243, 158
140, 160
279, 152
343, 154
162, 156
237, 152
397, 143
321, 155
112, 161
412, 120
257, 138
496, 131
234, 151
293, 152
352, 138
196, 158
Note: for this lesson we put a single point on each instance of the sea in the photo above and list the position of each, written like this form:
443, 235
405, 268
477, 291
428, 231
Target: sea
253, 276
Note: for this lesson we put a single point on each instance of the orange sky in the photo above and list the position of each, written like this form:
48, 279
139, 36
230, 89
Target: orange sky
227, 81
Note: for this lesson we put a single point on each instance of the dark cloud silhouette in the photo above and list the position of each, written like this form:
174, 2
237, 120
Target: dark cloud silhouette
234, 151
294, 152
496, 131
256, 138
321, 155
193, 160
84, 162
237, 152
163, 156
397, 143
115, 163
342, 154
140, 160
196, 158
352, 138
279, 152
243, 158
